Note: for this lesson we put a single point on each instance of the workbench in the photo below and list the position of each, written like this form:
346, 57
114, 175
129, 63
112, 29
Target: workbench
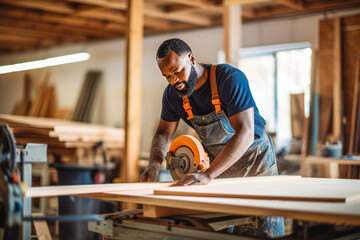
330, 201
316, 166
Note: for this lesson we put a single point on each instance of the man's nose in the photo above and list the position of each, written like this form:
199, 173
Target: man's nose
174, 80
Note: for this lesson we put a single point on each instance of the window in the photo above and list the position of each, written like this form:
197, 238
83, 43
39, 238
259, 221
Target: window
275, 72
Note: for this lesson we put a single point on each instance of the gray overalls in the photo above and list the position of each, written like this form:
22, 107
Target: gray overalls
215, 131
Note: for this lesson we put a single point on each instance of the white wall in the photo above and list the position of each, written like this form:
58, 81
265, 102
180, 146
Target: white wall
108, 56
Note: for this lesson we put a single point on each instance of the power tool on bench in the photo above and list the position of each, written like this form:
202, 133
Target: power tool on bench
186, 155
11, 194
15, 170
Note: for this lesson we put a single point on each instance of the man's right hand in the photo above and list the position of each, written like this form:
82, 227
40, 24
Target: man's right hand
150, 173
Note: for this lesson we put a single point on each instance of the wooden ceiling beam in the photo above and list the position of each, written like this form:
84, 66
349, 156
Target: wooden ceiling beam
111, 15
247, 12
195, 4
243, 2
120, 4
160, 24
88, 32
26, 39
31, 15
49, 5
24, 30
101, 13
156, 12
57, 27
15, 45
296, 4
311, 7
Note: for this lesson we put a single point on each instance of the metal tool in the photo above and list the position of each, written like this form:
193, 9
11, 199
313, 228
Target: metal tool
131, 224
15, 210
10, 190
186, 155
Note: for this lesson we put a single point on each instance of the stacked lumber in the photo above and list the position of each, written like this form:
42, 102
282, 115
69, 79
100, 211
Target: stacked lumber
42, 104
63, 137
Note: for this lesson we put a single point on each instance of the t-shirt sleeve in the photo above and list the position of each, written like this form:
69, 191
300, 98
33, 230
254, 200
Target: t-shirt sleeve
167, 112
236, 93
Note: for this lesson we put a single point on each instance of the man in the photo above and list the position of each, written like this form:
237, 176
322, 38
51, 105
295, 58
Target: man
216, 101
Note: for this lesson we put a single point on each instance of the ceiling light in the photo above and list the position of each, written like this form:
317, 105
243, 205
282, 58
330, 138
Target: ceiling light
77, 57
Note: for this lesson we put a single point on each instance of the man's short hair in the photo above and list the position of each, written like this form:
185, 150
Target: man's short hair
177, 45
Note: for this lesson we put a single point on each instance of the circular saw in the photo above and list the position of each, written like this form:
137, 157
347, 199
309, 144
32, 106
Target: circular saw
186, 155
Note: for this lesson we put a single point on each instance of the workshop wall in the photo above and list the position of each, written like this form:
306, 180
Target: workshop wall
109, 57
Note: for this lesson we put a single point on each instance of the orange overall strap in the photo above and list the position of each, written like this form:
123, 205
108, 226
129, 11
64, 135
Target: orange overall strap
187, 107
215, 99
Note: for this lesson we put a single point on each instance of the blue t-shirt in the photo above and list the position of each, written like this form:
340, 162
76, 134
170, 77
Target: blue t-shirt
234, 93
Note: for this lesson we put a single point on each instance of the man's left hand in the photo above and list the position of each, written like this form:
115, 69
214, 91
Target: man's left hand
193, 179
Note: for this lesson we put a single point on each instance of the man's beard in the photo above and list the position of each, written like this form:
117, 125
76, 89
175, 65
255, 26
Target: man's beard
189, 85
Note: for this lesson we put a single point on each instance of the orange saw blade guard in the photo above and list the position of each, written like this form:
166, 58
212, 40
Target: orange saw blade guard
201, 158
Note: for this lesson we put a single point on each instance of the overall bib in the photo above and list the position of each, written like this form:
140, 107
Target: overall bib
215, 131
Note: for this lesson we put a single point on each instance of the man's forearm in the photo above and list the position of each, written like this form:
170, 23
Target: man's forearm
232, 152
159, 147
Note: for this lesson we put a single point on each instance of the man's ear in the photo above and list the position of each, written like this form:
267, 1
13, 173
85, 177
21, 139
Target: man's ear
191, 58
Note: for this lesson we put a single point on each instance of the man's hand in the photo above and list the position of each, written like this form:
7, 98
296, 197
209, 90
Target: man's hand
193, 179
150, 173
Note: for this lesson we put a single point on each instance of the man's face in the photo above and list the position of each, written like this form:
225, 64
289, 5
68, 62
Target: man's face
179, 72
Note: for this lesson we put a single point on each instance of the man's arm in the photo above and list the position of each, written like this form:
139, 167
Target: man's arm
243, 124
160, 145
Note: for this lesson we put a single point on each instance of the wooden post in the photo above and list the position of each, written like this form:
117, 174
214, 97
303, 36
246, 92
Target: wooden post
354, 106
337, 82
232, 32
130, 168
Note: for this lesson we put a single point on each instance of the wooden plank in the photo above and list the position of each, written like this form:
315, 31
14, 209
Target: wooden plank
232, 33
355, 104
41, 228
96, 78
319, 160
357, 130
337, 89
59, 126
76, 115
23, 106
99, 188
130, 168
304, 189
326, 76
39, 98
91, 188
350, 51
47, 102
326, 212
297, 115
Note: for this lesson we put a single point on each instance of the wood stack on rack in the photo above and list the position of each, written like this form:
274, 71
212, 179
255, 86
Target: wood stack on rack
84, 106
43, 103
65, 138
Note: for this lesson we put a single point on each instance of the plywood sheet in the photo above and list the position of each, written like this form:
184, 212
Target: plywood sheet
90, 188
302, 189
327, 212
99, 188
